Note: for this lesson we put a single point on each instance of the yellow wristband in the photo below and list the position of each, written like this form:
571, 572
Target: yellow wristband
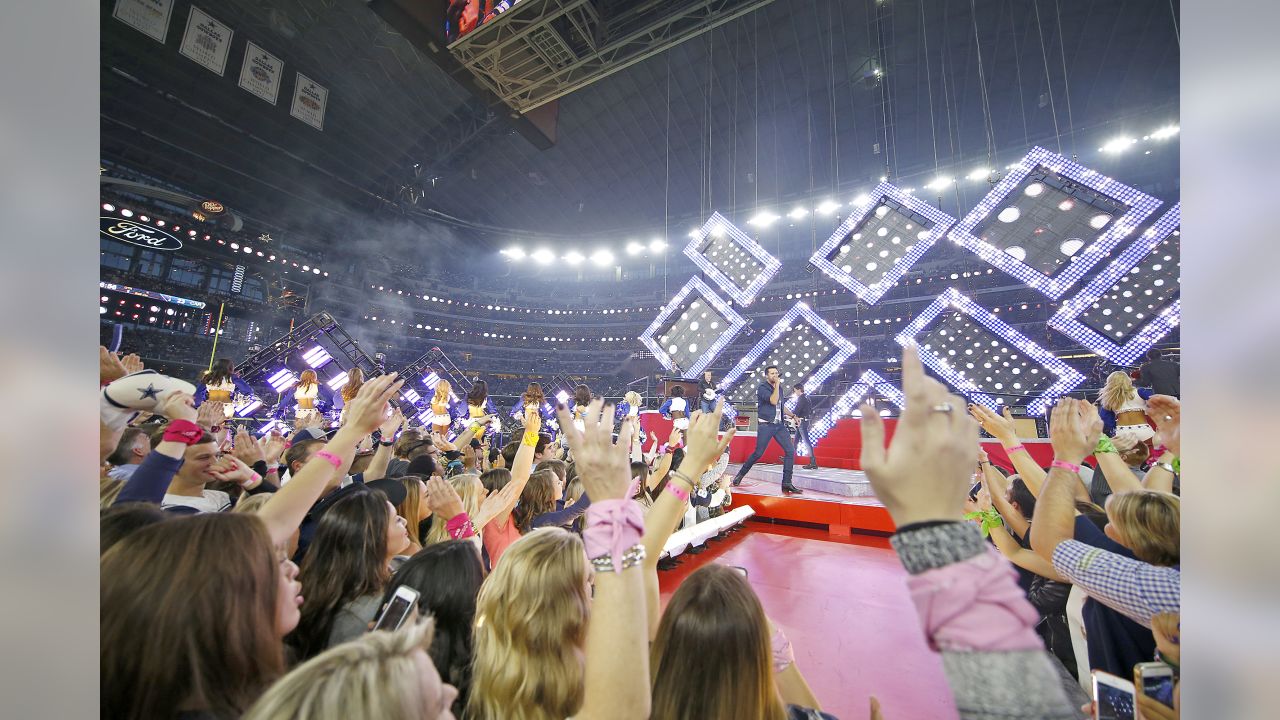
530, 439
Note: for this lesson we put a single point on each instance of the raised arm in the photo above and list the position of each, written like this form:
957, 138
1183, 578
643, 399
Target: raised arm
1118, 474
616, 682
1074, 430
1020, 556
1001, 428
151, 480
997, 488
521, 467
284, 512
382, 456
968, 602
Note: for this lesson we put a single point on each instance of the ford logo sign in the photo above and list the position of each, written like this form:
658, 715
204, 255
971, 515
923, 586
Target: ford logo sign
136, 233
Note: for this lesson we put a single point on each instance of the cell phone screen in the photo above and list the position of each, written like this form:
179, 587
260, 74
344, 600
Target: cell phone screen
1114, 703
1158, 688
395, 613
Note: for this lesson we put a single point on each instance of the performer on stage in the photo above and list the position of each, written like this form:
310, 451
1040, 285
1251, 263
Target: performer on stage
630, 405
1124, 409
676, 409
581, 399
479, 405
441, 417
220, 384
533, 397
769, 426
355, 379
802, 412
306, 394
707, 392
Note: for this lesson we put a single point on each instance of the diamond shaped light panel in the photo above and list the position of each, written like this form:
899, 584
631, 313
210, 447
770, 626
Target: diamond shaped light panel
731, 259
984, 358
692, 329
846, 405
1050, 221
1135, 301
877, 244
803, 346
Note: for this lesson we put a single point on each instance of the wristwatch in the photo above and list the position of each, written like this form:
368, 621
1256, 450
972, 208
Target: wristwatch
1167, 466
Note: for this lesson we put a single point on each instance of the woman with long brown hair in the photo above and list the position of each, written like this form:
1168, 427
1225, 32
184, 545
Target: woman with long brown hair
221, 384
306, 394
714, 619
346, 568
193, 612
414, 510
355, 379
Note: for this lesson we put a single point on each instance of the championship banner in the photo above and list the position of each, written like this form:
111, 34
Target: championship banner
149, 17
260, 73
206, 41
309, 100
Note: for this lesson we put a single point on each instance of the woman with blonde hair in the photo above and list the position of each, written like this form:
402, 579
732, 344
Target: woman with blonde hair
472, 492
531, 627
714, 619
385, 675
414, 510
441, 418
1123, 409
306, 394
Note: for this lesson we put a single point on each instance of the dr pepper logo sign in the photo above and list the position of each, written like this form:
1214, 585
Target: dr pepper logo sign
137, 233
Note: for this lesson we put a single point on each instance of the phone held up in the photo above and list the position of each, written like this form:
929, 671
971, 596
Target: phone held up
401, 605
1155, 680
1112, 697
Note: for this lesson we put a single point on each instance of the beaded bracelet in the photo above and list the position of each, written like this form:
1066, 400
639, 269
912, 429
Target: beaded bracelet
631, 558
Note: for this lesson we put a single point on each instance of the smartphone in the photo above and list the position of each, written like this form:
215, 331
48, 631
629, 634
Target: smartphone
1156, 681
740, 569
402, 603
1112, 697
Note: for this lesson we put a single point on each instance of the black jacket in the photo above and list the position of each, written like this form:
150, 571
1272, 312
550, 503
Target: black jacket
1162, 377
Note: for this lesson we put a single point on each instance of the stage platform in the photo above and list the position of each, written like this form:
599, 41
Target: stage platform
839, 499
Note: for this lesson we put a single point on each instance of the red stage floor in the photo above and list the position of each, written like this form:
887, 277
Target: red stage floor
843, 603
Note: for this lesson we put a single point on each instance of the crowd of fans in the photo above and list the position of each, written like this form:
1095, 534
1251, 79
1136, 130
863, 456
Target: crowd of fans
243, 576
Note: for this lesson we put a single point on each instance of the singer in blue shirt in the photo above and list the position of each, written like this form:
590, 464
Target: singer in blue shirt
769, 426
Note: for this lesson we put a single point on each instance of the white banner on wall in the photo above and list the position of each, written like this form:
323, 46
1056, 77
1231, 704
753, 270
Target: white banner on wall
261, 72
149, 17
206, 41
309, 100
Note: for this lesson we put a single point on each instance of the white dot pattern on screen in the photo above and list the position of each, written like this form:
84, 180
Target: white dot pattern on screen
798, 354
879, 237
987, 361
732, 259
693, 327
1142, 293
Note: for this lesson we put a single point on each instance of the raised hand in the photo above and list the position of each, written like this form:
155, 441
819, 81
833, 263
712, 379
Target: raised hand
704, 446
368, 409
132, 363
178, 406
997, 426
924, 473
109, 366
232, 469
1074, 429
1167, 413
605, 468
273, 446
443, 499
533, 420
392, 425
210, 415
247, 449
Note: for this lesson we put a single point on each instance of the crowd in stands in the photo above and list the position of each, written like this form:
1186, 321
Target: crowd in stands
244, 576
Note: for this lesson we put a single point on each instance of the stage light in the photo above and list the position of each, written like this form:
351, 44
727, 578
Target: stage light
602, 258
696, 316
282, 380
317, 357
864, 198
426, 416
306, 268
1043, 266
337, 381
573, 257
144, 218
797, 213
1017, 253
634, 248
731, 259
827, 207
657, 245
1009, 215
1071, 246
515, 253
763, 219
411, 396
940, 183
102, 310
1164, 133
108, 207
981, 173
1117, 145
982, 357
1097, 222
803, 346
1133, 303
153, 308
846, 405
244, 409
563, 397
876, 230
126, 212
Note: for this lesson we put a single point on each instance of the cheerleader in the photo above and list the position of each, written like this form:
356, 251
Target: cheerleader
355, 379
581, 399
676, 409
220, 384
441, 417
479, 405
630, 405
306, 395
534, 397
1124, 409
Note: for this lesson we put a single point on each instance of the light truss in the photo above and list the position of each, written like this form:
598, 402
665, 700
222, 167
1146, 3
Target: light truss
984, 358
733, 261
880, 241
804, 347
1134, 302
692, 329
1043, 175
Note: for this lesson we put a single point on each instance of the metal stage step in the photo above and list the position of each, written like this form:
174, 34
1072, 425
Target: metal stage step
836, 481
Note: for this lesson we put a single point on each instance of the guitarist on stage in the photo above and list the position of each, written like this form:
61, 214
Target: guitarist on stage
802, 413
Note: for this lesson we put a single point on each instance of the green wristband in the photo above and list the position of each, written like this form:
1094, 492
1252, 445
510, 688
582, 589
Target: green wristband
1105, 446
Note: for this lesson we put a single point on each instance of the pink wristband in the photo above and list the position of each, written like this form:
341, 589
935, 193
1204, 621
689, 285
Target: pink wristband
459, 526
1063, 465
679, 492
1014, 449
330, 458
613, 528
